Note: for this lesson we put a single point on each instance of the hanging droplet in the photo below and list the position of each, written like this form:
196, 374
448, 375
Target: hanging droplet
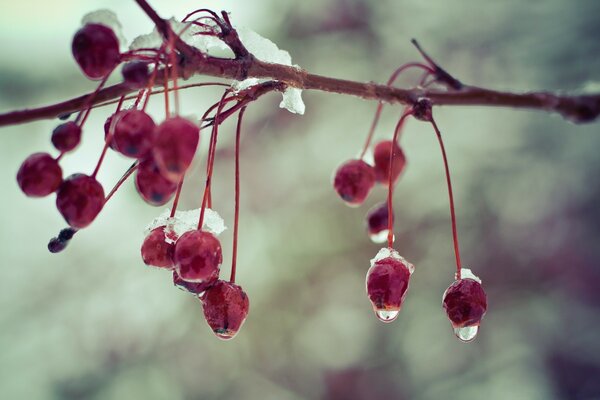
387, 315
379, 237
466, 334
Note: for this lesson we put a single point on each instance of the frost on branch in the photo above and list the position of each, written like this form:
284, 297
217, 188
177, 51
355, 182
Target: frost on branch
108, 18
185, 221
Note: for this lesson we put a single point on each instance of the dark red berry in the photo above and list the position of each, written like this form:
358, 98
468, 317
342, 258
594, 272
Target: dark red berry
226, 307
381, 156
39, 175
196, 288
66, 137
156, 252
133, 133
175, 146
96, 50
465, 303
79, 199
152, 186
353, 181
197, 256
67, 234
387, 283
378, 222
136, 74
55, 245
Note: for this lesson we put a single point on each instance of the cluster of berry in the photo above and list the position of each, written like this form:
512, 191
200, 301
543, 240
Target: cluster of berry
162, 155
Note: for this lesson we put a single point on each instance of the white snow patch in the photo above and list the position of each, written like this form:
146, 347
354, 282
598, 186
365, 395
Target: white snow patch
387, 252
466, 273
185, 221
108, 18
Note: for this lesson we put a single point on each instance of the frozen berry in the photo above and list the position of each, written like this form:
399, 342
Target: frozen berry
196, 288
381, 156
465, 303
80, 199
197, 256
353, 181
66, 137
136, 74
387, 284
378, 223
133, 133
226, 307
96, 50
156, 252
175, 146
152, 186
39, 175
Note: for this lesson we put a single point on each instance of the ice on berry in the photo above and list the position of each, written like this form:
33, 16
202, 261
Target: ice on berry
108, 18
387, 252
466, 273
185, 221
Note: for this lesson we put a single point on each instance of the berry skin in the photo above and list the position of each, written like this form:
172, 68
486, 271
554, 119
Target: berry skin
80, 199
155, 250
175, 146
152, 186
134, 133
136, 74
66, 137
378, 222
198, 256
55, 245
381, 157
96, 49
353, 181
465, 303
196, 288
39, 175
387, 284
226, 307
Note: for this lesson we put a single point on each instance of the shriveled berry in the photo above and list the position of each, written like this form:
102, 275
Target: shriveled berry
55, 245
80, 199
152, 186
67, 234
465, 303
39, 175
378, 222
387, 284
136, 74
66, 137
134, 133
198, 256
381, 157
225, 307
196, 288
353, 181
156, 252
96, 50
175, 146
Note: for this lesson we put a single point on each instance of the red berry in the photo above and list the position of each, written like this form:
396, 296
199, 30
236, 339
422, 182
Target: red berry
80, 199
197, 256
175, 146
225, 308
465, 303
134, 133
96, 50
378, 222
353, 181
387, 284
66, 137
381, 156
154, 188
39, 175
136, 74
196, 288
156, 252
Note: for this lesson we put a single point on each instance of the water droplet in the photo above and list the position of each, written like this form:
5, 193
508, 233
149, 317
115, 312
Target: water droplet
379, 237
467, 333
387, 315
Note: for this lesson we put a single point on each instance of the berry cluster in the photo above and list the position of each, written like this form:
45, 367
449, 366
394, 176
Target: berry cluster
388, 277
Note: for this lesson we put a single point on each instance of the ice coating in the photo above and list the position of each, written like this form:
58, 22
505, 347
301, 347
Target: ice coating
466, 273
108, 18
238, 86
292, 101
386, 252
185, 221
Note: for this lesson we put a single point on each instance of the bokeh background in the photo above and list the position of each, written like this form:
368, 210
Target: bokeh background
94, 323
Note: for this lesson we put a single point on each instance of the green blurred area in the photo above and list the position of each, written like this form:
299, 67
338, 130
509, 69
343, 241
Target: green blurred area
95, 323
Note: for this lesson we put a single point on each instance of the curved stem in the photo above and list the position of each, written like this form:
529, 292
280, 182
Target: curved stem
123, 178
237, 194
176, 199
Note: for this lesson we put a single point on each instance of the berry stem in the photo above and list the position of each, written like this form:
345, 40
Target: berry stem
166, 83
123, 178
176, 199
87, 107
108, 139
174, 73
451, 197
399, 125
237, 194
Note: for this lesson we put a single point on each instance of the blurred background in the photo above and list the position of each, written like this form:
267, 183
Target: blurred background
95, 323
